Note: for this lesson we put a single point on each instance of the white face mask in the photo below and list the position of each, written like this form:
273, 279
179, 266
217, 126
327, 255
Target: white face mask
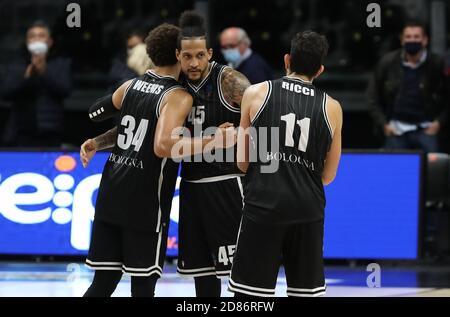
38, 48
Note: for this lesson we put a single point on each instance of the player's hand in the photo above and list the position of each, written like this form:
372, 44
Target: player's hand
226, 125
87, 151
433, 129
225, 136
388, 130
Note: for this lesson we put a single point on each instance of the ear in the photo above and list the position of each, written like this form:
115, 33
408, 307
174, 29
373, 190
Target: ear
287, 63
425, 40
177, 54
210, 54
243, 47
50, 42
321, 70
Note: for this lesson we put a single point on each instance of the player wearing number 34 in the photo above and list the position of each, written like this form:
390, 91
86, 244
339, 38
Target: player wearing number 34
134, 200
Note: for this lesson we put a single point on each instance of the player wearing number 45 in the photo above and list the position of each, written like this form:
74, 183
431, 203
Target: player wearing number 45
284, 208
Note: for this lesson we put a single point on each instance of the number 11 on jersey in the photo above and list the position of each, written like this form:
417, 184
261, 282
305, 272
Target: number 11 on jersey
304, 131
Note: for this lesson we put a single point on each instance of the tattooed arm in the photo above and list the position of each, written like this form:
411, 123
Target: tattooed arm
101, 142
107, 139
233, 86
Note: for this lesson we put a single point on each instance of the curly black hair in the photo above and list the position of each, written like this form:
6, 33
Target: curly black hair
161, 44
308, 52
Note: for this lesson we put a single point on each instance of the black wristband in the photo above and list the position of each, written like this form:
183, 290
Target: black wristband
102, 109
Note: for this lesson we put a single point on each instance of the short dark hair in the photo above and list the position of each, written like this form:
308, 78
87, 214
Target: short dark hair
192, 25
308, 52
161, 44
40, 24
414, 23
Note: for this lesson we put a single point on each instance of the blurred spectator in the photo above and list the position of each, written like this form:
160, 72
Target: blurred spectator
407, 93
447, 64
134, 64
236, 50
36, 85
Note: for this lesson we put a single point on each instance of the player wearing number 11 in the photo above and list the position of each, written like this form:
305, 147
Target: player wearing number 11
284, 210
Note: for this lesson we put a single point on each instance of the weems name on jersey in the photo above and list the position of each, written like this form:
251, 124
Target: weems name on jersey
147, 88
307, 91
125, 160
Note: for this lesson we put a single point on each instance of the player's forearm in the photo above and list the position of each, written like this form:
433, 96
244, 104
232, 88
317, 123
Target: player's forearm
243, 166
180, 147
107, 139
243, 150
327, 179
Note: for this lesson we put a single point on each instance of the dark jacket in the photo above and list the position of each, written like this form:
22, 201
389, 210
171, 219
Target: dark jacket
255, 69
119, 73
37, 102
387, 80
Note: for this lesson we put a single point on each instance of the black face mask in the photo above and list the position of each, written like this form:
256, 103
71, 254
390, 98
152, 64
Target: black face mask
412, 48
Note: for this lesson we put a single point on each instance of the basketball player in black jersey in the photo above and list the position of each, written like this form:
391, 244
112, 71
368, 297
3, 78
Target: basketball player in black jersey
283, 216
129, 232
210, 190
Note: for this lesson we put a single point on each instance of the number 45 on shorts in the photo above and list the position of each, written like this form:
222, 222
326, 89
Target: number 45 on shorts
226, 253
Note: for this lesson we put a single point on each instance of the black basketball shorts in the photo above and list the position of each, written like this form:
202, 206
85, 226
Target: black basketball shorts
262, 248
210, 214
138, 253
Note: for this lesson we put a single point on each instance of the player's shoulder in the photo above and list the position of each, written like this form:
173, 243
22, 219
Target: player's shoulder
333, 104
333, 109
257, 90
229, 73
257, 93
180, 94
259, 87
127, 84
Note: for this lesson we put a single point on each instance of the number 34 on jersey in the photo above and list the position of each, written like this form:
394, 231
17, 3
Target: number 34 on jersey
132, 136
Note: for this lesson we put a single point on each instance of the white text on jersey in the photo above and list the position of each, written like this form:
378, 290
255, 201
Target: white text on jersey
298, 89
148, 88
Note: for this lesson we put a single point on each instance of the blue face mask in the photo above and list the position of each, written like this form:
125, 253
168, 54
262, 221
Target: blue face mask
231, 55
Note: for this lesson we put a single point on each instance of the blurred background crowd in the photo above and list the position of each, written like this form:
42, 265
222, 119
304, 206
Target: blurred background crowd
392, 81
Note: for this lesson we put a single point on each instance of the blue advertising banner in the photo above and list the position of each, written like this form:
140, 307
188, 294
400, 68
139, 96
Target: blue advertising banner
47, 204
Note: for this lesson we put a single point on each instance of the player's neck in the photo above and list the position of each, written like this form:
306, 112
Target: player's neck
206, 72
170, 71
203, 76
302, 77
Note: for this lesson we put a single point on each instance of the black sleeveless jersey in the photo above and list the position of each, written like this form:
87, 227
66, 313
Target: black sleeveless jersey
210, 109
136, 188
284, 181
